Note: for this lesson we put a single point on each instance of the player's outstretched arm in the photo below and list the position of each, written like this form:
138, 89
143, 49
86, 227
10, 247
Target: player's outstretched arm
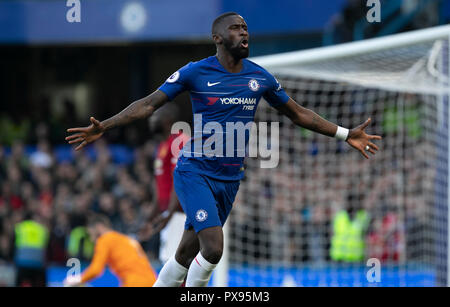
306, 118
139, 109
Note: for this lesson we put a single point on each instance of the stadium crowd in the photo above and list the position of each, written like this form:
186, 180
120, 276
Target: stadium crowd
59, 191
58, 187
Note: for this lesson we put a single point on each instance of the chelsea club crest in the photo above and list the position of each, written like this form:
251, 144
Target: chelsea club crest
253, 85
201, 215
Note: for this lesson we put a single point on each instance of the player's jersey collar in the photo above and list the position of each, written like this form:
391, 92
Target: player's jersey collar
220, 66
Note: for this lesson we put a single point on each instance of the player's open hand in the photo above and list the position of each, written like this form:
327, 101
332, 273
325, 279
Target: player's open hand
361, 141
85, 135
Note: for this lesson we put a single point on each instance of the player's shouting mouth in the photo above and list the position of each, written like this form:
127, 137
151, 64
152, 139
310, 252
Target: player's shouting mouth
244, 44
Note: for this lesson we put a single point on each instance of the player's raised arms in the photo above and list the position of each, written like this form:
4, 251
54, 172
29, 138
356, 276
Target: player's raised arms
308, 119
139, 109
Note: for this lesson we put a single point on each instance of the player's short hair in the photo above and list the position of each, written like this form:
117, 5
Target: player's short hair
217, 22
95, 219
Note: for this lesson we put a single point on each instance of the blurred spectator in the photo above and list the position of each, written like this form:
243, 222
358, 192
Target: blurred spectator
43, 156
13, 128
349, 227
41, 131
386, 241
107, 207
57, 252
18, 156
6, 250
129, 223
64, 198
317, 236
8, 198
31, 242
80, 245
6, 237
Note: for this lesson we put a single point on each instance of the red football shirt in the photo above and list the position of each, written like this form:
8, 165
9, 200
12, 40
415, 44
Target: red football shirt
165, 162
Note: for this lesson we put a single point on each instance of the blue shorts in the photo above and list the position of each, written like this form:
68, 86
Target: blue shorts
207, 202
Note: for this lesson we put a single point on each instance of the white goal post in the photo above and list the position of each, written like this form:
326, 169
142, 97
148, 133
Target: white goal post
283, 228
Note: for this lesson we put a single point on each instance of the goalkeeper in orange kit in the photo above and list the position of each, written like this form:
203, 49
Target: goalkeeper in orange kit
121, 253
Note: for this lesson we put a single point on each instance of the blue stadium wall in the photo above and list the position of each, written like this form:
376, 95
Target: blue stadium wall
106, 21
251, 276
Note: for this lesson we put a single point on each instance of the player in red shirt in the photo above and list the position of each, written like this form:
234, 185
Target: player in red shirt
164, 165
167, 217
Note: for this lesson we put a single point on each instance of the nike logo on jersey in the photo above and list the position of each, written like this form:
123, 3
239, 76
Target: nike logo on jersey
212, 84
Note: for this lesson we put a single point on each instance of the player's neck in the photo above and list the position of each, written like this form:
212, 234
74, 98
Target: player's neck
228, 62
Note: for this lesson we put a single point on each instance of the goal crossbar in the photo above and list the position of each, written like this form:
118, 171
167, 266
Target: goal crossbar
353, 48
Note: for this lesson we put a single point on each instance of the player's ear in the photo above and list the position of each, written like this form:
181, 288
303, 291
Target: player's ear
217, 39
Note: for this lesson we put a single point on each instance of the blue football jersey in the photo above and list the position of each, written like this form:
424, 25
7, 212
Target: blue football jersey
224, 106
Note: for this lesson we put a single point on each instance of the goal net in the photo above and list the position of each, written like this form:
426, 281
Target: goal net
325, 216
